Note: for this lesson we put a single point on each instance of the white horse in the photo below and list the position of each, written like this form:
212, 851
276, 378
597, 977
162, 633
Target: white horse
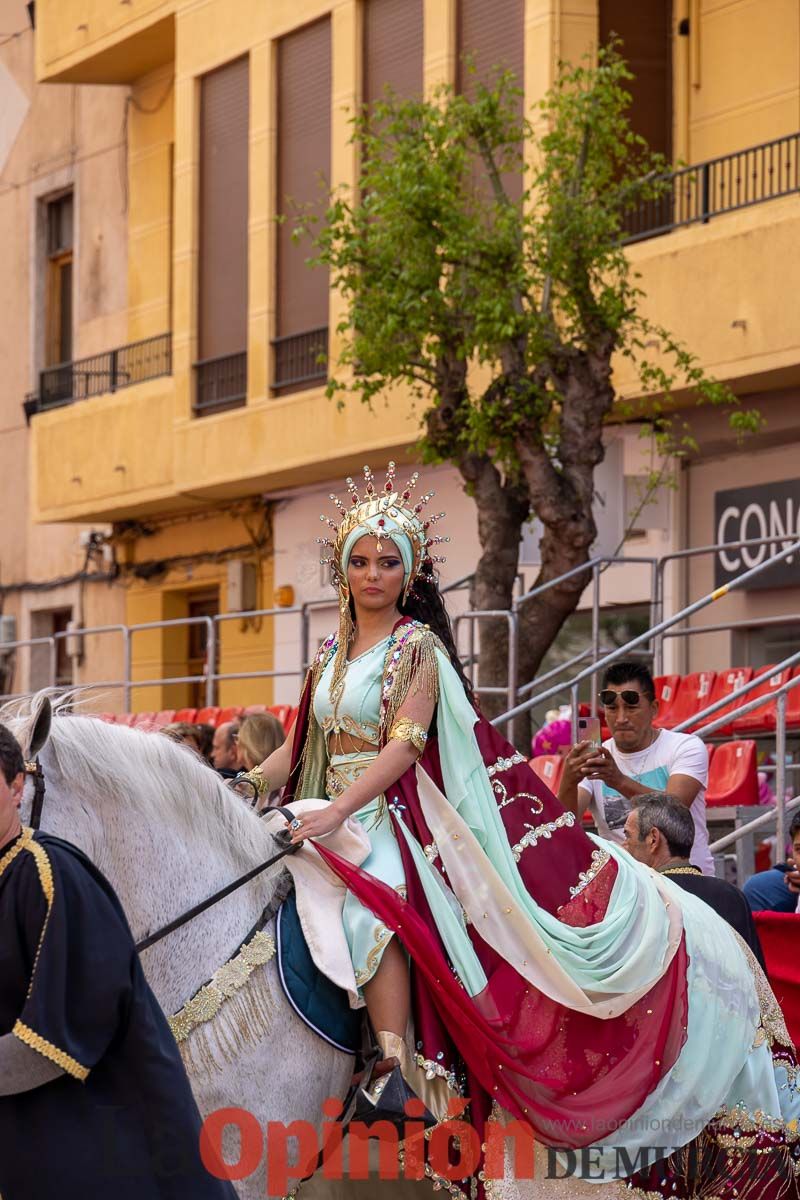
167, 833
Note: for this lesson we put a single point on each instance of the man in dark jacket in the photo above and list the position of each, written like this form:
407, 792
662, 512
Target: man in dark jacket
659, 832
94, 1099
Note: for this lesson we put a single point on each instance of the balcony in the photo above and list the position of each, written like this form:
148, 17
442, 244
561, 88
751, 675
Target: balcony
301, 360
83, 41
100, 374
722, 185
220, 383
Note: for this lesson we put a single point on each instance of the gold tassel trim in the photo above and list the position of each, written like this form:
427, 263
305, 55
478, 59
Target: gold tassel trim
247, 1015
41, 1045
410, 669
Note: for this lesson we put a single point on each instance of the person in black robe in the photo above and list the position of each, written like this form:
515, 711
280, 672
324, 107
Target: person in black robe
94, 1098
659, 832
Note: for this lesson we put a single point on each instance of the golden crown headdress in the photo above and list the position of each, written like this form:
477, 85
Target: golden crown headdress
388, 502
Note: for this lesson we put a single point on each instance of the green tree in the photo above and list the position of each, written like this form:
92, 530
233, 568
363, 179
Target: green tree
503, 317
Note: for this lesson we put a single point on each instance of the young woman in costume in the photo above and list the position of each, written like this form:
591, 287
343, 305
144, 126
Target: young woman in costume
549, 973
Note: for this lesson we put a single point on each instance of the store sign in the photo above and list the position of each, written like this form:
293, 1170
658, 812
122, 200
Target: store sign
770, 510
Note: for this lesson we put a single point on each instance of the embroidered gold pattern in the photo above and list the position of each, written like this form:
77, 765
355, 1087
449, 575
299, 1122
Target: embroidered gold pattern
231, 976
432, 1069
44, 868
382, 935
772, 1026
36, 1042
22, 843
538, 832
599, 860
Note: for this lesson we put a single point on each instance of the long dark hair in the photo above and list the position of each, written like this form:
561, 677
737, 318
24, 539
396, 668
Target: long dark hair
425, 604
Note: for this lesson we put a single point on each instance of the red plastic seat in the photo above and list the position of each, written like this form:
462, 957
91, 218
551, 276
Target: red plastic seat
779, 934
732, 775
207, 716
252, 709
281, 711
549, 768
126, 718
109, 718
165, 717
793, 703
692, 695
143, 720
725, 683
185, 714
666, 691
232, 713
763, 717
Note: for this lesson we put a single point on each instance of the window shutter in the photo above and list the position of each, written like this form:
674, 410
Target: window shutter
646, 33
393, 32
224, 128
304, 164
494, 36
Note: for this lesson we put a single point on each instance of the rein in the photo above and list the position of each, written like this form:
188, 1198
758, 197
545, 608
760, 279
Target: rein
184, 919
34, 769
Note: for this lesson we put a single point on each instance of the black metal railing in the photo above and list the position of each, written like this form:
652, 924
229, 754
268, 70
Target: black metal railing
721, 185
101, 373
301, 358
221, 383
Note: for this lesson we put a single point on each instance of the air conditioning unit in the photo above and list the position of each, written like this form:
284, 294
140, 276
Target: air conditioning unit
8, 634
74, 641
242, 586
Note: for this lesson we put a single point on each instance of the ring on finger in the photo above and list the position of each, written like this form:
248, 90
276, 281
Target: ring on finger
296, 823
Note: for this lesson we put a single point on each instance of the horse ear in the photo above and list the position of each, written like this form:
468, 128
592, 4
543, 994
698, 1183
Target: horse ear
40, 724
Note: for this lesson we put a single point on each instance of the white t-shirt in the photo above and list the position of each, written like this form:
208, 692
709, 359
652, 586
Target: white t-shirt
670, 754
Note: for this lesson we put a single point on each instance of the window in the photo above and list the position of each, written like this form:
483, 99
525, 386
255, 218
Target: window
44, 624
392, 48
222, 308
200, 604
491, 37
645, 30
58, 295
304, 164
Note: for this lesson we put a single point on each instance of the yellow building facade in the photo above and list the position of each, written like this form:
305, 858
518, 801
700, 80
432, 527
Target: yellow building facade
184, 488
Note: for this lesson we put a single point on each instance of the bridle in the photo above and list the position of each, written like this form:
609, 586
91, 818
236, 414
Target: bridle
34, 769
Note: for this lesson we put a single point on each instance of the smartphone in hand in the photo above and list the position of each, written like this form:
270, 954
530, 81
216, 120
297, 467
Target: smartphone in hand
589, 730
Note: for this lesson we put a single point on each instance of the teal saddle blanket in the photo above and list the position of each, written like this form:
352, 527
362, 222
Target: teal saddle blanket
323, 1006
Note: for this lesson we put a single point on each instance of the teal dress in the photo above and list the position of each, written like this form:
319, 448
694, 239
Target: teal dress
358, 715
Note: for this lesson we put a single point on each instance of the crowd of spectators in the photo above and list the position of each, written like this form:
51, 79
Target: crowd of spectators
234, 746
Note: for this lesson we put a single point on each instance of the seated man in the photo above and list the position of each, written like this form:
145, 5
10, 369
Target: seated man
94, 1099
635, 760
659, 832
778, 889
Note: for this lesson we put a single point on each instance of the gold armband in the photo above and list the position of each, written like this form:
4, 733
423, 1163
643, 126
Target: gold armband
258, 780
406, 730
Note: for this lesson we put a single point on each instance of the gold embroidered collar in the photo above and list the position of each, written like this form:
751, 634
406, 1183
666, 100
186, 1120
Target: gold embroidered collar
22, 842
689, 870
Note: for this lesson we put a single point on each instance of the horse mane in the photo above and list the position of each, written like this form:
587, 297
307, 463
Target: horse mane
145, 772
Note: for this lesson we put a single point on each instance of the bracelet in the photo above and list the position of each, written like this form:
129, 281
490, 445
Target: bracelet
258, 780
406, 730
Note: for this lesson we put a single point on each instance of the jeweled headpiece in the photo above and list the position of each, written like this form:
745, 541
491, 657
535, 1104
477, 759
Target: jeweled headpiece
384, 513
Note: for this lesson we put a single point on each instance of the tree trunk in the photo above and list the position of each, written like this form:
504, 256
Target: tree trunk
562, 500
502, 510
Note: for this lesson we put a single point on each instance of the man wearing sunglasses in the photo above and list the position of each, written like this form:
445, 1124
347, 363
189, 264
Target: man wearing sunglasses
635, 760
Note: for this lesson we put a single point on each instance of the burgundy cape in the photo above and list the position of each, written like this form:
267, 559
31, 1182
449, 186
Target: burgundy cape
571, 1076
